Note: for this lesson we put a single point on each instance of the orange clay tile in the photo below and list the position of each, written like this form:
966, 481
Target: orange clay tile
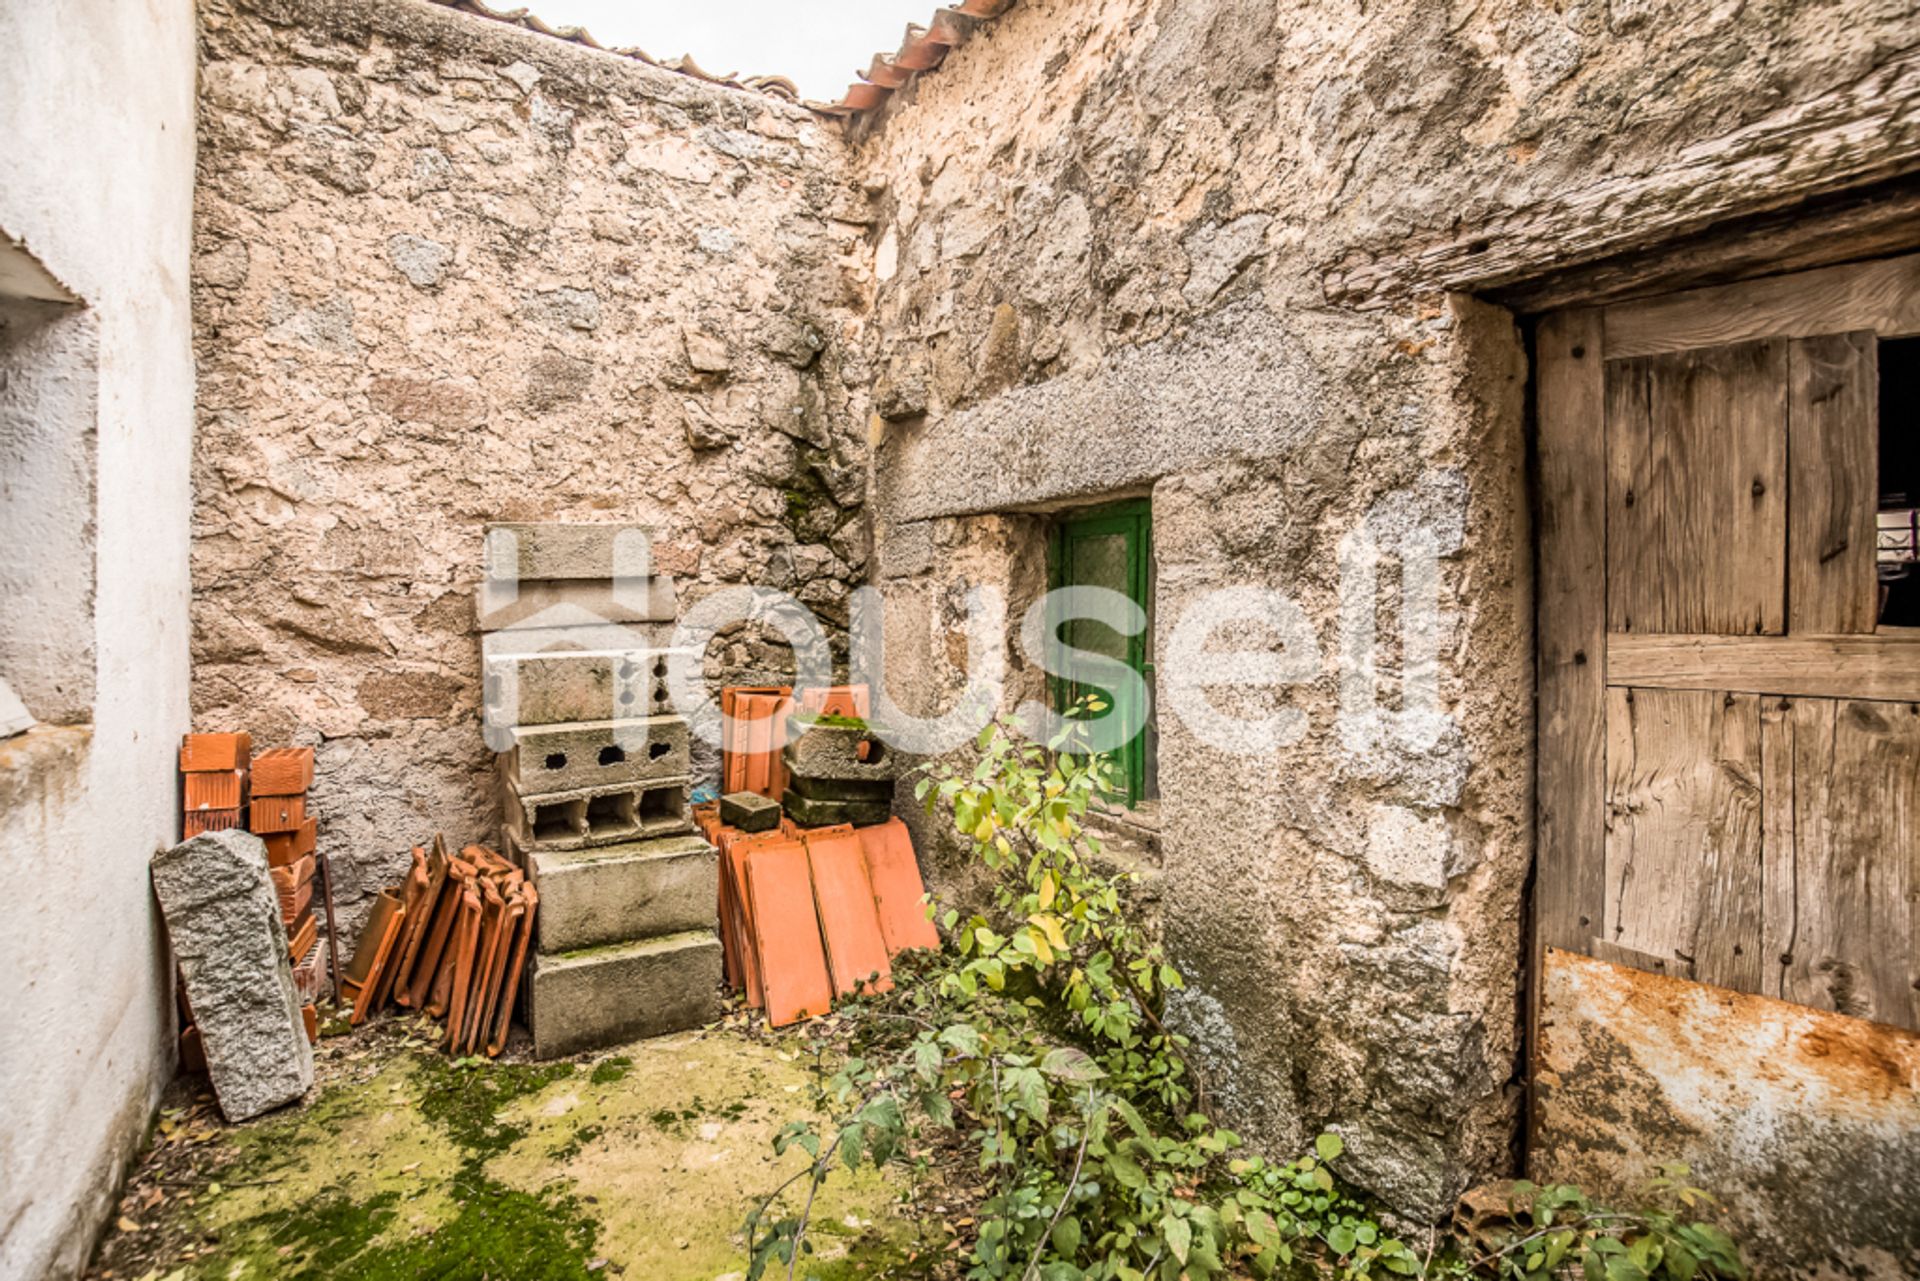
423, 985
301, 900
897, 887
420, 908
786, 934
836, 700
733, 866
195, 822
300, 938
283, 771
752, 734
412, 908
486, 945
214, 752
291, 876
467, 940
277, 814
212, 789
366, 951
310, 1018
516, 966
849, 922
390, 913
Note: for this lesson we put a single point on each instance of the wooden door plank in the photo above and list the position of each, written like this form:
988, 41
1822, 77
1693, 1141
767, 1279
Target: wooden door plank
1696, 491
1570, 813
1684, 833
1776, 840
1856, 826
1885, 665
1881, 296
1833, 447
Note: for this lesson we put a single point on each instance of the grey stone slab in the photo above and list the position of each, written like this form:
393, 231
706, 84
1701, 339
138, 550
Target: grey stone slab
811, 813
585, 1000
634, 890
827, 751
223, 919
586, 817
840, 789
589, 685
749, 811
568, 551
544, 603
558, 758
584, 638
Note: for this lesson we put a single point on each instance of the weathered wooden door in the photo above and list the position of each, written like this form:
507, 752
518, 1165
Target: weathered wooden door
1729, 738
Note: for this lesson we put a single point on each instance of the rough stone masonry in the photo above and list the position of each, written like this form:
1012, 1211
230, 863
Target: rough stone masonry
450, 272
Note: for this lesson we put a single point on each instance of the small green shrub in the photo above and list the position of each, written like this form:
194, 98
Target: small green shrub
1038, 1037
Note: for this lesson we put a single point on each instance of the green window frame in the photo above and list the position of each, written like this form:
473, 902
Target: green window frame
1081, 553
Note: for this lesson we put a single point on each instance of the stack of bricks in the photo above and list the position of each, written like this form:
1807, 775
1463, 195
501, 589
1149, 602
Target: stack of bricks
596, 777
225, 786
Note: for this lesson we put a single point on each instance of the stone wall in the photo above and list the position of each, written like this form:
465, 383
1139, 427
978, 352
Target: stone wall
96, 429
449, 272
1180, 248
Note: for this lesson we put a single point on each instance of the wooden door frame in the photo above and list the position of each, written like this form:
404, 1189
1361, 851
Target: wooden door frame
1831, 287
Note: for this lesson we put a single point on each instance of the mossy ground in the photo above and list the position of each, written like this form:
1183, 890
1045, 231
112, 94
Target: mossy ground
638, 1163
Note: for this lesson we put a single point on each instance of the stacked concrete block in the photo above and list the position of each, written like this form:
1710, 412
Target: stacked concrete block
596, 779
838, 771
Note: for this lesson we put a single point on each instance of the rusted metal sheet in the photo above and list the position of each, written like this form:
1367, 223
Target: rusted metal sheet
1805, 1123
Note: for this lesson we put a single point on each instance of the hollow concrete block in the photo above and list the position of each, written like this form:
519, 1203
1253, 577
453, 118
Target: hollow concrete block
558, 758
600, 996
634, 890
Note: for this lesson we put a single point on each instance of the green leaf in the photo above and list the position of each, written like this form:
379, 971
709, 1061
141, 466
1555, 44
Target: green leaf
1068, 1064
1178, 1234
1340, 1239
1329, 1146
1066, 1236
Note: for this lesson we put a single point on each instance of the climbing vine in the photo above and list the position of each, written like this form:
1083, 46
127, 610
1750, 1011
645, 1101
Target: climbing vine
1037, 1036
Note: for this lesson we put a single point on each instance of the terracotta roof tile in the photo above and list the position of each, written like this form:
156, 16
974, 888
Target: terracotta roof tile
922, 50
776, 86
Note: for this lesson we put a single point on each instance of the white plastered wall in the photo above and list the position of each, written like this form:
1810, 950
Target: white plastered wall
96, 184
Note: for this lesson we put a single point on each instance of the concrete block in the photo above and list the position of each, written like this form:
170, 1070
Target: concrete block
592, 685
810, 813
223, 919
839, 789
558, 758
592, 816
564, 551
634, 890
829, 748
749, 811
573, 602
601, 996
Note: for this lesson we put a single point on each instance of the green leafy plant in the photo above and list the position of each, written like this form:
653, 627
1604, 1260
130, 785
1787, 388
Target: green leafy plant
1038, 1037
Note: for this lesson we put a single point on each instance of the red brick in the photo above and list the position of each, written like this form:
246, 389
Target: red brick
293, 904
198, 821
291, 876
300, 938
214, 752
277, 814
305, 836
213, 789
283, 771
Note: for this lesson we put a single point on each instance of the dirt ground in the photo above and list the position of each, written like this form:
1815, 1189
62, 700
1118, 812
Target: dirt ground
641, 1162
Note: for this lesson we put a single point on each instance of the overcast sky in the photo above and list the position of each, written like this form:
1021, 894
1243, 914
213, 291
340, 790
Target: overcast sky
817, 44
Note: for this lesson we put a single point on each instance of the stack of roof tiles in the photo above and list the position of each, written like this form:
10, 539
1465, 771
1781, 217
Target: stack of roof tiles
451, 941
808, 915
922, 49
225, 786
815, 900
596, 775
